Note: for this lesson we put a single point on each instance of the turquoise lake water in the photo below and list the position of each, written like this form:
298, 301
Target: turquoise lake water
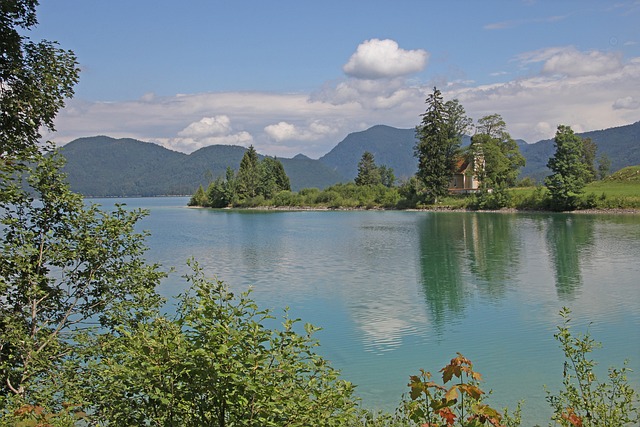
398, 291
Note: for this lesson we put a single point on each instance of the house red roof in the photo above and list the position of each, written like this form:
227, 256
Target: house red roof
461, 165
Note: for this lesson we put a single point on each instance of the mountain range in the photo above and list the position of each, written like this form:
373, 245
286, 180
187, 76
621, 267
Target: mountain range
101, 166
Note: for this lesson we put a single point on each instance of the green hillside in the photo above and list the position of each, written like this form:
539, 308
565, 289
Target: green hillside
390, 146
104, 167
628, 174
304, 172
620, 144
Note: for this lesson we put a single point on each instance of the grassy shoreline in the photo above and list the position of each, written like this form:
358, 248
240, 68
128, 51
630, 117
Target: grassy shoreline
619, 193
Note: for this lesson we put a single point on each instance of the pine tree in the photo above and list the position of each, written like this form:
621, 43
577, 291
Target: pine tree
199, 198
249, 174
439, 136
273, 178
368, 172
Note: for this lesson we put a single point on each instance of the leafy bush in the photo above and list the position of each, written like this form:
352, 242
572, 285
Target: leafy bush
253, 202
460, 403
535, 200
494, 200
213, 363
329, 197
584, 401
389, 198
287, 198
309, 195
410, 193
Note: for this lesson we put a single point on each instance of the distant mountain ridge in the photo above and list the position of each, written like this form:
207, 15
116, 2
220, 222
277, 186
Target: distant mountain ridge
389, 146
101, 166
621, 144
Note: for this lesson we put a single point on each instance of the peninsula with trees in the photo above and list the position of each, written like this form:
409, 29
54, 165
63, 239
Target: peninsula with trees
481, 175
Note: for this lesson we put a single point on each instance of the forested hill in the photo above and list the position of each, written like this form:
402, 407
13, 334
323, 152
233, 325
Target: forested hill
390, 147
103, 166
621, 144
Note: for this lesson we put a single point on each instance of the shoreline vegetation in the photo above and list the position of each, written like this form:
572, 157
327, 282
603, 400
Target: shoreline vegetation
617, 194
621, 211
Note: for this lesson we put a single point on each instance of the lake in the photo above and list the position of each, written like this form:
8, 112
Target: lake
398, 291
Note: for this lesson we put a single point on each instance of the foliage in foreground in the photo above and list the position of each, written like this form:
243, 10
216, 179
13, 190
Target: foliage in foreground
460, 403
213, 363
216, 363
585, 401
64, 268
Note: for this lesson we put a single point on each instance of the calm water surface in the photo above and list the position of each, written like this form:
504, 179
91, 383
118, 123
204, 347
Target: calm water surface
398, 291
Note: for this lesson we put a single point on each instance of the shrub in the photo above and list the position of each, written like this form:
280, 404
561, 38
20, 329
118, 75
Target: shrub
328, 197
253, 202
287, 198
498, 199
309, 196
584, 401
461, 403
216, 363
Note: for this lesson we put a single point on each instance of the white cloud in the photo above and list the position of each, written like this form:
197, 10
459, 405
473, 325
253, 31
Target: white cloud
375, 59
189, 145
626, 103
573, 63
207, 126
281, 131
372, 95
533, 107
284, 131
207, 131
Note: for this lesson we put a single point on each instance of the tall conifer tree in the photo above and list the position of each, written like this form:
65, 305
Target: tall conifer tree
249, 174
439, 136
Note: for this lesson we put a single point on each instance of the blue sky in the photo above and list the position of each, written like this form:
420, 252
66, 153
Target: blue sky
297, 76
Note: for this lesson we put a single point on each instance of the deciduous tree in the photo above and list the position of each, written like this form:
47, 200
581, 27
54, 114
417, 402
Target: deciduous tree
496, 152
65, 267
35, 79
570, 173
